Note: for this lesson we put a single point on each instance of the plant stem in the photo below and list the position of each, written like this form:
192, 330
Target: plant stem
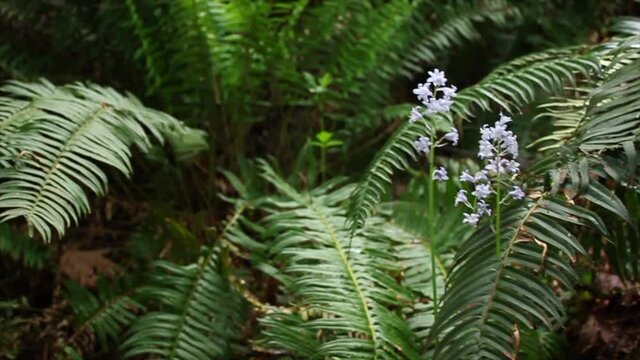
498, 223
323, 154
432, 223
323, 163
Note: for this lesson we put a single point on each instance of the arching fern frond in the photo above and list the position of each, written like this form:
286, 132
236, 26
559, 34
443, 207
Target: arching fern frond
343, 299
200, 314
53, 141
458, 23
613, 116
509, 86
490, 297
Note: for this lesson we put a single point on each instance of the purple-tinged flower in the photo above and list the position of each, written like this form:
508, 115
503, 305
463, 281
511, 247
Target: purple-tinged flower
449, 92
483, 208
517, 193
480, 176
452, 136
465, 176
423, 144
415, 114
435, 106
436, 77
504, 119
496, 166
461, 197
440, 174
512, 166
482, 191
423, 92
510, 143
471, 219
485, 150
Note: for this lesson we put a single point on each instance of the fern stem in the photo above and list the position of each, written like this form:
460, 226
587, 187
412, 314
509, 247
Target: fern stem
502, 266
352, 276
432, 224
199, 276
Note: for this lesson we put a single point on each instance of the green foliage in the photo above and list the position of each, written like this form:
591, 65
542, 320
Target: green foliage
510, 86
487, 296
21, 248
342, 283
298, 266
199, 314
410, 227
53, 140
541, 344
104, 314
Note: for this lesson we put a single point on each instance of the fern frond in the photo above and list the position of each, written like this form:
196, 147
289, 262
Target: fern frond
200, 314
509, 86
613, 114
409, 227
54, 140
490, 297
105, 314
539, 344
21, 248
457, 24
343, 294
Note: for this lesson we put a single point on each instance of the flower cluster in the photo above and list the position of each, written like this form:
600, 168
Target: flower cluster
498, 147
428, 94
438, 99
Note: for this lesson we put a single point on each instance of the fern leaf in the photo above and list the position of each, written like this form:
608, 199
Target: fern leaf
490, 297
612, 117
28, 251
200, 314
344, 295
105, 314
57, 138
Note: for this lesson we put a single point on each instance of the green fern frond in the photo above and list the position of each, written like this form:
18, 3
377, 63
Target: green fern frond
456, 24
200, 314
104, 314
408, 226
54, 140
627, 25
510, 87
488, 297
29, 252
612, 116
343, 294
539, 344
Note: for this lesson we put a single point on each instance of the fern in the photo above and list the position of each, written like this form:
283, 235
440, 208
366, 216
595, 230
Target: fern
612, 117
488, 297
200, 315
344, 296
540, 344
54, 139
105, 314
458, 23
20, 248
509, 86
408, 226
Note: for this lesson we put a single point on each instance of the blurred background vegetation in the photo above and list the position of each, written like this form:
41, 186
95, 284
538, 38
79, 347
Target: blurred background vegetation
315, 87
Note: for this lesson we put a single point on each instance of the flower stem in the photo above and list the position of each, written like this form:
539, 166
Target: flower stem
498, 222
432, 224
